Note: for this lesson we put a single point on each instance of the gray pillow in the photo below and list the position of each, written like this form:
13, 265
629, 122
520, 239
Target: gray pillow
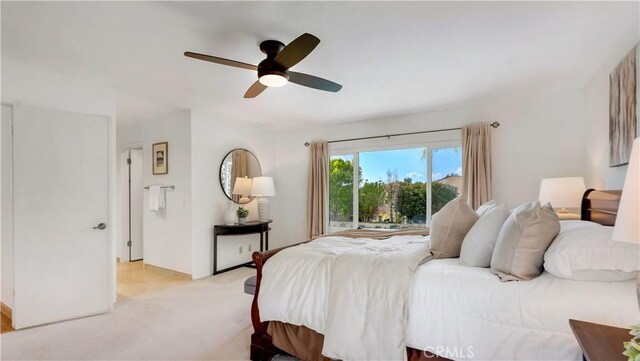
480, 241
449, 226
522, 241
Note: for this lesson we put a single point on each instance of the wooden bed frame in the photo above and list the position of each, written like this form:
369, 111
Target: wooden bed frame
600, 206
597, 206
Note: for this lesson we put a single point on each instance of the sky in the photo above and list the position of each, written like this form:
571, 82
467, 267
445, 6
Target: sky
409, 163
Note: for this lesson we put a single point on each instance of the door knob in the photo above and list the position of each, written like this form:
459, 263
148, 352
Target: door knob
100, 226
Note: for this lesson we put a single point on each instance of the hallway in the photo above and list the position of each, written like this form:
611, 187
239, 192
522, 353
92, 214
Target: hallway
137, 278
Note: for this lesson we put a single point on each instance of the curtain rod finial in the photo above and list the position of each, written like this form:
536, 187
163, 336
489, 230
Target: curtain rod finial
306, 144
494, 124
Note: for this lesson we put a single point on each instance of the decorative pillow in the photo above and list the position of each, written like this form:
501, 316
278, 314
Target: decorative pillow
588, 253
478, 244
486, 206
522, 241
449, 226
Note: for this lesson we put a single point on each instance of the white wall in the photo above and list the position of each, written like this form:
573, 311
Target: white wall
212, 137
37, 87
541, 135
166, 233
596, 157
22, 84
6, 249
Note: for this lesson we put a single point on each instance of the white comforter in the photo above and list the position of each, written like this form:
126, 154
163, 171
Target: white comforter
455, 311
467, 313
362, 289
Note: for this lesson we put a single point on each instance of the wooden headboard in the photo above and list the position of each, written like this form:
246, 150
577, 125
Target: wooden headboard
600, 206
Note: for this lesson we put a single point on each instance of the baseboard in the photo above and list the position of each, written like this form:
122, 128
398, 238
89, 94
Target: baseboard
5, 310
186, 276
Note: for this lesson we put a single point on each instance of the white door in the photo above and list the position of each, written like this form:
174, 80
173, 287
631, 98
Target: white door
137, 186
62, 257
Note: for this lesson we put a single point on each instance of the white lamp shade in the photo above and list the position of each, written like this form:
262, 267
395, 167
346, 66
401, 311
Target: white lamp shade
263, 187
627, 228
242, 186
563, 192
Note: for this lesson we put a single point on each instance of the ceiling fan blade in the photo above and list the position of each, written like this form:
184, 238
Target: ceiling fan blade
255, 89
314, 82
223, 61
297, 50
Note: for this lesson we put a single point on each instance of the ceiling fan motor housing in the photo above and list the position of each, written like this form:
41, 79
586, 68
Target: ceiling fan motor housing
269, 65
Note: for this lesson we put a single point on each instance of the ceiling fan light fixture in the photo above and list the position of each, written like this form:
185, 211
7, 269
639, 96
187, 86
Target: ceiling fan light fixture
273, 80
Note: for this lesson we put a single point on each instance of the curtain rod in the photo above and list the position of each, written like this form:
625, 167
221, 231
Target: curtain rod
306, 144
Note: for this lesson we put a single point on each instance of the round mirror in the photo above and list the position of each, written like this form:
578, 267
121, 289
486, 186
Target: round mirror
238, 167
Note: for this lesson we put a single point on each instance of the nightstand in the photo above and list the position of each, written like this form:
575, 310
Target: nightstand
568, 216
600, 342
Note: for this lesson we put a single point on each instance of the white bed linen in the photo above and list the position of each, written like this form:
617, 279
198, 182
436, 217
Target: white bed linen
453, 307
459, 310
366, 310
295, 289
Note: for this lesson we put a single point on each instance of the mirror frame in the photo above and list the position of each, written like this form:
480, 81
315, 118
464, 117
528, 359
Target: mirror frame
220, 173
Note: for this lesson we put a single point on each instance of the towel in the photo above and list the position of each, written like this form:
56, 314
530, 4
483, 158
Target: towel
156, 198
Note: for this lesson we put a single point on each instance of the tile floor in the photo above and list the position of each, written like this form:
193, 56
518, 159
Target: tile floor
136, 278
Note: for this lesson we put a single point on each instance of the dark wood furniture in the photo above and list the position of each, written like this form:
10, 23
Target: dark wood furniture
600, 342
253, 227
600, 206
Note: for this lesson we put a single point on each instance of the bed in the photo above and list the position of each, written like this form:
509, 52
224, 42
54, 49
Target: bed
523, 320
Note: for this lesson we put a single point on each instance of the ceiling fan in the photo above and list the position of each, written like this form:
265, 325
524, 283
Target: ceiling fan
274, 70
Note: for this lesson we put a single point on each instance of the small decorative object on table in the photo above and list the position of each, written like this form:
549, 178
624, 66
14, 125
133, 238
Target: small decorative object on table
632, 348
242, 215
230, 214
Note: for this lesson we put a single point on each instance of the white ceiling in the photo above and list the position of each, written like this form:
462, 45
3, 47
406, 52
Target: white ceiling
391, 58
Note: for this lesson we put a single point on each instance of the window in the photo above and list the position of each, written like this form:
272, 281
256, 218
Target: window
341, 175
395, 188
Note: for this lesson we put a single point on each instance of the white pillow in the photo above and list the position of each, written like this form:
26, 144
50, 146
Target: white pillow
479, 242
587, 253
486, 206
569, 225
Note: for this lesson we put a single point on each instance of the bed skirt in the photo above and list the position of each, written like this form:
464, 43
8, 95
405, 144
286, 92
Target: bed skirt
306, 344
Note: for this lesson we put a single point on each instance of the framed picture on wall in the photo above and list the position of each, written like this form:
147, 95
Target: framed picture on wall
623, 107
160, 158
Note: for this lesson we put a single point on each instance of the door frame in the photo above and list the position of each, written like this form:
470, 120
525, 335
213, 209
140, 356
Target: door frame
122, 237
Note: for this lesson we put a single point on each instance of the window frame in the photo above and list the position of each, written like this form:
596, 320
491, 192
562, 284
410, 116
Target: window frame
428, 141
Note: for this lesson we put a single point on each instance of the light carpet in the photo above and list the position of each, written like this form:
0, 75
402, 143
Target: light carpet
207, 319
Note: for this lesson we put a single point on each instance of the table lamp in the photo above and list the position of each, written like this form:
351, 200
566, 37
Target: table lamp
262, 188
242, 188
562, 193
627, 227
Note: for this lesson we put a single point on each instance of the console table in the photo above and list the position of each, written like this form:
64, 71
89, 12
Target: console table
253, 227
